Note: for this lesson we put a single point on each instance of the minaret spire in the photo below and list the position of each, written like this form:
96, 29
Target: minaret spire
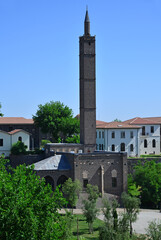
87, 24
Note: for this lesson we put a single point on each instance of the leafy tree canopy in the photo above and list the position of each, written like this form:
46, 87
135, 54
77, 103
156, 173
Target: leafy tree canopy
28, 208
57, 119
71, 189
148, 177
1, 115
117, 120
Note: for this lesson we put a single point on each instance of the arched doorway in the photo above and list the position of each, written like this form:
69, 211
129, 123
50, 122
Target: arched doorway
61, 180
49, 180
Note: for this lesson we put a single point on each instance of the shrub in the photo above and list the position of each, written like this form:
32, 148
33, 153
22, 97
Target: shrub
18, 148
154, 230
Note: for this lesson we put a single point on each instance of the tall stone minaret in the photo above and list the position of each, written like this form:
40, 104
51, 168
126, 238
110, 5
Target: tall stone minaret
87, 88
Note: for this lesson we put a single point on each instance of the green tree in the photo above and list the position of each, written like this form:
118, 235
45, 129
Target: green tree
117, 120
148, 177
133, 190
71, 189
90, 210
73, 139
93, 192
57, 119
28, 208
1, 115
114, 228
18, 148
131, 204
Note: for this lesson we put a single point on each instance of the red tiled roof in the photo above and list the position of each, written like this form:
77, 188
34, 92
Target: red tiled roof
98, 122
140, 121
17, 130
155, 119
15, 120
114, 124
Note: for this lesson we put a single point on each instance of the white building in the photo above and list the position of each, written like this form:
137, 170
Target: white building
137, 137
7, 139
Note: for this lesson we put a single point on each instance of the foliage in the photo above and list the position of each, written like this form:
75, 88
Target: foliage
150, 155
18, 148
93, 192
43, 143
114, 228
117, 120
154, 230
1, 115
73, 139
56, 119
28, 208
82, 231
148, 176
71, 189
90, 212
131, 204
89, 206
69, 219
133, 190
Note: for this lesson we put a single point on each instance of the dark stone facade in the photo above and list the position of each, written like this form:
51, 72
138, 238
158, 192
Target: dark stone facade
106, 170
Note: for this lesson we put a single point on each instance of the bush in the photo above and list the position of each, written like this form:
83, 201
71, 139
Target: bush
154, 230
18, 148
43, 143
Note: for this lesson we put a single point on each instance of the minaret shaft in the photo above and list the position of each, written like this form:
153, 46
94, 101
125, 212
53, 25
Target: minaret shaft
87, 89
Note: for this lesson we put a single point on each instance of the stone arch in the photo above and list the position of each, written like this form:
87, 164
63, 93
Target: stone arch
49, 180
61, 180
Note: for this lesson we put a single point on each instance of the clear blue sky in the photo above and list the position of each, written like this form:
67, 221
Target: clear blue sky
39, 55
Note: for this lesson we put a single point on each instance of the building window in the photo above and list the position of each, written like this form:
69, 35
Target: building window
1, 142
122, 147
131, 134
145, 143
100, 146
122, 134
102, 134
99, 134
20, 139
113, 135
153, 143
114, 182
114, 178
113, 147
131, 148
143, 131
152, 129
85, 182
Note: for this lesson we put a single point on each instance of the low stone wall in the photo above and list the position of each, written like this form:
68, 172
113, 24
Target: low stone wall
131, 162
16, 160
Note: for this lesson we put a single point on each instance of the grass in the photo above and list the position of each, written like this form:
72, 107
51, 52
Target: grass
84, 232
83, 228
